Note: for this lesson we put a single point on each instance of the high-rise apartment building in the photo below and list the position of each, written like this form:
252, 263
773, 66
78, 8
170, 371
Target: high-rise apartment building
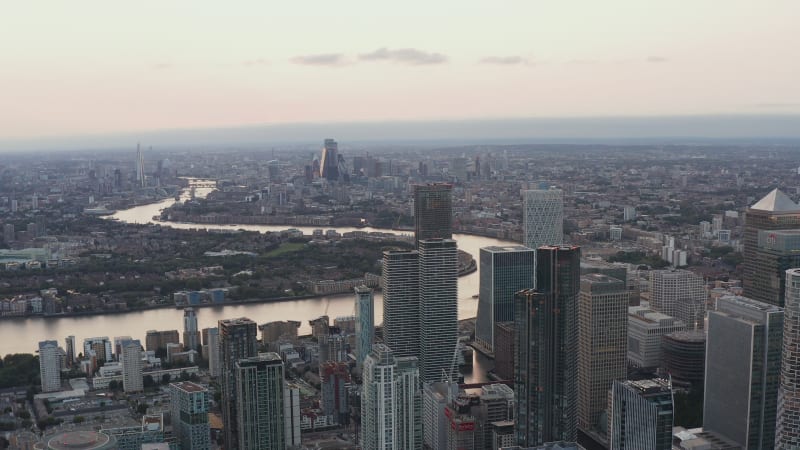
237, 340
214, 357
391, 404
542, 217
50, 366
259, 402
545, 374
70, 350
742, 378
101, 346
602, 344
433, 211
329, 163
189, 410
291, 415
504, 271
132, 365
438, 310
365, 323
191, 334
680, 294
767, 253
401, 321
787, 430
641, 415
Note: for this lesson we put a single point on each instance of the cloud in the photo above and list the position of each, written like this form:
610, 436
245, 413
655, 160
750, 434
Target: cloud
255, 62
163, 66
410, 56
321, 59
656, 59
503, 60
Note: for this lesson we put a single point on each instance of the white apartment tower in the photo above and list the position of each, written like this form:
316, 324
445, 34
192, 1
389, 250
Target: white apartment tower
365, 322
131, 358
400, 282
50, 366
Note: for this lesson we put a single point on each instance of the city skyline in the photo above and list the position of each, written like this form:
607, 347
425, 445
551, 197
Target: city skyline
553, 60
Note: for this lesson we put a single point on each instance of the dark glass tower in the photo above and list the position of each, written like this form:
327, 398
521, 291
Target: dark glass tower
329, 164
545, 376
237, 340
433, 211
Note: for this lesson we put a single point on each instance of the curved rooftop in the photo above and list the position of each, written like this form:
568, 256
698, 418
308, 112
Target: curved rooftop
80, 440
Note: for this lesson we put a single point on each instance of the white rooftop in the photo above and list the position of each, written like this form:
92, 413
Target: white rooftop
776, 201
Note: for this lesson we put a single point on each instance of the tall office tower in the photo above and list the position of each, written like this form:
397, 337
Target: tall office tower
645, 330
768, 253
70, 350
379, 400
543, 217
504, 271
132, 365
433, 211
641, 415
214, 357
409, 404
329, 163
101, 347
743, 371
140, 180
191, 334
545, 373
787, 430
237, 340
291, 414
400, 280
391, 405
365, 323
259, 402
438, 307
602, 344
680, 294
50, 366
189, 410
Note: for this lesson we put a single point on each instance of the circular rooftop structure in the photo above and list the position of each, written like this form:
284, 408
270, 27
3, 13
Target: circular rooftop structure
79, 440
684, 355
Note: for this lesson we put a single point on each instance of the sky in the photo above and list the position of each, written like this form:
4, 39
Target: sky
98, 68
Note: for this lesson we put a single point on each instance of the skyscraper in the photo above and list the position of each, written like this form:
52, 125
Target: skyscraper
214, 357
132, 365
140, 180
768, 254
438, 307
191, 335
680, 294
543, 217
742, 378
259, 402
365, 322
401, 302
189, 410
329, 163
602, 344
641, 415
787, 430
237, 340
70, 350
504, 271
433, 211
390, 403
50, 366
545, 374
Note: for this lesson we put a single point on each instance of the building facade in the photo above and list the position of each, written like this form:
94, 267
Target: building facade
645, 330
545, 375
214, 358
237, 340
742, 378
504, 271
542, 217
680, 294
433, 211
641, 415
602, 344
379, 401
767, 253
259, 402
438, 311
365, 323
329, 163
400, 281
787, 432
50, 366
132, 365
191, 334
189, 409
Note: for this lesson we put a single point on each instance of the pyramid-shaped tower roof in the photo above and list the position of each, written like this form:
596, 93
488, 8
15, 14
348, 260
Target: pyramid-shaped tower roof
776, 201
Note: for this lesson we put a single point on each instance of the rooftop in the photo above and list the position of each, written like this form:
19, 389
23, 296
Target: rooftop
776, 201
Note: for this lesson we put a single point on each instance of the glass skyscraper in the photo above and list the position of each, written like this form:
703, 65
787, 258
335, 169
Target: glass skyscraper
365, 322
542, 217
237, 340
641, 415
433, 211
787, 432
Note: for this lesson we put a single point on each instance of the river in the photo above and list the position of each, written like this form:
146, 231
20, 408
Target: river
22, 335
